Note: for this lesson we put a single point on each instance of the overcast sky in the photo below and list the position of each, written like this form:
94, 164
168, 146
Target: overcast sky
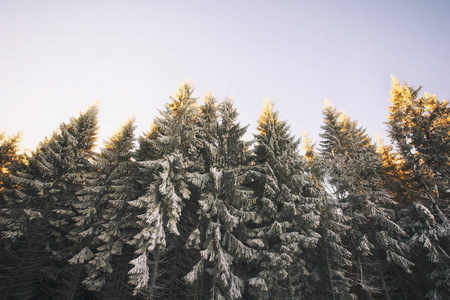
59, 57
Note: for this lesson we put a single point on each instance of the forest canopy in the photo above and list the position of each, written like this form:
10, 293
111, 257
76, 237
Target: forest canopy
191, 210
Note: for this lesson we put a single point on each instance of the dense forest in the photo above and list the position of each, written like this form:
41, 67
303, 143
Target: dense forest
191, 210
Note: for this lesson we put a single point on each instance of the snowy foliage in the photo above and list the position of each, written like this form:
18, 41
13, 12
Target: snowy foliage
196, 212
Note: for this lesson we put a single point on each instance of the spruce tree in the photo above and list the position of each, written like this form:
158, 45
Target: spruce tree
223, 201
332, 261
104, 219
418, 127
45, 192
20, 258
353, 177
66, 157
171, 151
286, 222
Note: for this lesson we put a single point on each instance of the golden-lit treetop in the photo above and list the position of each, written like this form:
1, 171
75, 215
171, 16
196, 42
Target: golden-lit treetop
267, 116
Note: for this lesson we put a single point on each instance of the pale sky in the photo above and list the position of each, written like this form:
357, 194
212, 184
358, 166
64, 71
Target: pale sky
59, 57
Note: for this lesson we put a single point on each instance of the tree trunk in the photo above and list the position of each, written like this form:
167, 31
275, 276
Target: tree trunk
156, 259
291, 291
330, 279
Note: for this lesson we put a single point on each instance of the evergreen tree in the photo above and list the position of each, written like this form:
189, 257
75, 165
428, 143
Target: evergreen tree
104, 220
332, 260
354, 180
172, 150
11, 162
20, 256
66, 158
45, 194
419, 127
286, 221
223, 202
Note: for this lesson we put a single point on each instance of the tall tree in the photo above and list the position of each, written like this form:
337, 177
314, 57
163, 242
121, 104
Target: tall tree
221, 231
46, 192
171, 145
285, 227
104, 220
332, 261
354, 179
419, 128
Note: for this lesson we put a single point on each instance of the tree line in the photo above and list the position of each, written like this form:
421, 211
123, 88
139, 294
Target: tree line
190, 210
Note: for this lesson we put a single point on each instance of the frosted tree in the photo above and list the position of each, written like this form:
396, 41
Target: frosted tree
418, 127
104, 220
45, 192
332, 260
166, 158
286, 222
353, 179
66, 158
21, 253
224, 203
11, 163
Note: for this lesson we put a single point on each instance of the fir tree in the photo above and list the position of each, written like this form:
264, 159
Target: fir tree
46, 196
333, 260
354, 180
104, 219
418, 127
172, 149
286, 221
20, 258
219, 236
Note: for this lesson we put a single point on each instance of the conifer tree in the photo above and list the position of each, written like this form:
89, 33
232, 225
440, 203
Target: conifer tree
11, 162
45, 193
66, 158
172, 150
286, 221
104, 219
419, 127
20, 256
354, 179
332, 260
219, 236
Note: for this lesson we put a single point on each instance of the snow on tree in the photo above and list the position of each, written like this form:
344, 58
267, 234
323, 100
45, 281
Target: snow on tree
20, 258
286, 222
171, 148
104, 220
353, 178
68, 156
219, 235
47, 190
332, 260
11, 163
419, 128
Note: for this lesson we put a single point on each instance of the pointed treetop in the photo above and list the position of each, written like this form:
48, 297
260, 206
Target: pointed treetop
267, 116
308, 146
126, 130
182, 99
327, 102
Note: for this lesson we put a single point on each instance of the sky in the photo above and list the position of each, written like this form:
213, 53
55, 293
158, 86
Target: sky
59, 57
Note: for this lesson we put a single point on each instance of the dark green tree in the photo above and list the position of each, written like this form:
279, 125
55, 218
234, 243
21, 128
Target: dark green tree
419, 129
286, 223
166, 159
375, 239
104, 221
224, 205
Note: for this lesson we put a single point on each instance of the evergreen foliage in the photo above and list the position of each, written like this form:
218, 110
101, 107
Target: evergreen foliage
286, 223
104, 220
219, 235
374, 238
420, 129
166, 201
193, 211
